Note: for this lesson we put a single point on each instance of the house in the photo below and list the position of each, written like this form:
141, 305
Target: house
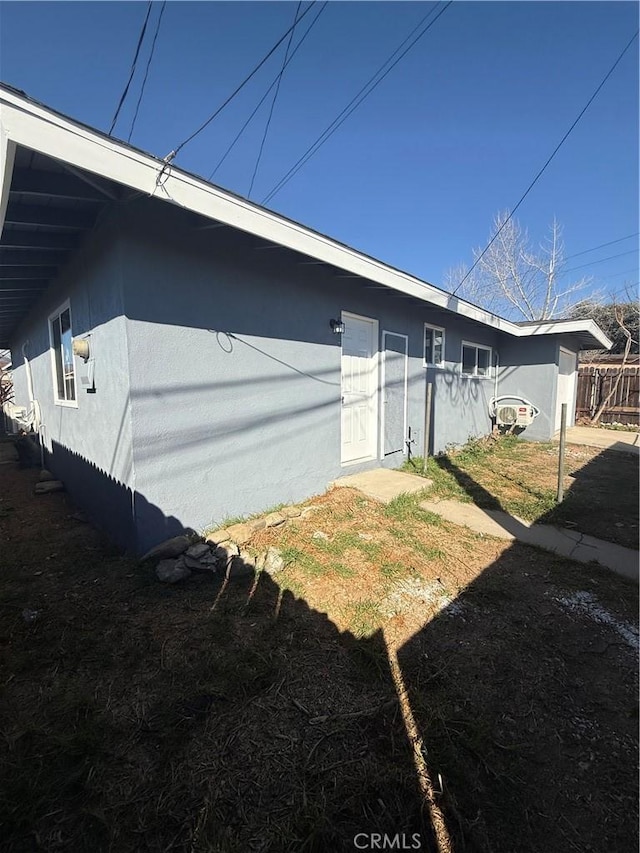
186, 355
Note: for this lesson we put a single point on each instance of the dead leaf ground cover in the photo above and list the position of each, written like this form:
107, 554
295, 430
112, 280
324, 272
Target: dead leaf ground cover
601, 487
264, 715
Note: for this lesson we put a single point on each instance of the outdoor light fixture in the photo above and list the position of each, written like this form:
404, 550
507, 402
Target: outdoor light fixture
337, 327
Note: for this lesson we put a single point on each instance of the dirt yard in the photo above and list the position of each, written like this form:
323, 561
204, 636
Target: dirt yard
393, 654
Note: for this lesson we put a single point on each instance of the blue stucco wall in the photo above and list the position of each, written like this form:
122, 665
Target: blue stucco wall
235, 373
528, 368
88, 446
218, 377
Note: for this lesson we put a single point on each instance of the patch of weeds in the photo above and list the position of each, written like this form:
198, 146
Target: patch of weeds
342, 570
303, 561
395, 570
365, 619
405, 508
345, 539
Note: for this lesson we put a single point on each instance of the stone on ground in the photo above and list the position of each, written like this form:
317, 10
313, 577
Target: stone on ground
172, 571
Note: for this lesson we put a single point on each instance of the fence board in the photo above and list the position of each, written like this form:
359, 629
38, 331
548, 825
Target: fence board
595, 382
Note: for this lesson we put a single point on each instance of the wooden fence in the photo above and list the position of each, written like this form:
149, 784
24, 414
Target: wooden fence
595, 382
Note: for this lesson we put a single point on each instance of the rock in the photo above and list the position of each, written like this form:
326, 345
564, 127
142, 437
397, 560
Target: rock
172, 571
30, 616
48, 487
218, 536
308, 510
224, 553
199, 565
291, 511
273, 561
256, 524
198, 550
240, 533
274, 519
169, 548
240, 568
321, 536
247, 559
366, 536
46, 476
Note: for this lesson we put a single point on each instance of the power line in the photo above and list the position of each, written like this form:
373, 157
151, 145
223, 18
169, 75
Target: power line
266, 94
553, 154
602, 245
146, 71
206, 123
355, 103
132, 71
601, 261
273, 102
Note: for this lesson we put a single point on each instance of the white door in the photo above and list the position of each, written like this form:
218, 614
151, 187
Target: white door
394, 393
566, 393
359, 387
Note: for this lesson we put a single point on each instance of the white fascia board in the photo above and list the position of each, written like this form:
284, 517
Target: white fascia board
23, 122
7, 157
37, 128
567, 327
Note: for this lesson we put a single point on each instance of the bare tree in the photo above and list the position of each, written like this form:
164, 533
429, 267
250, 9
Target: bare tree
620, 320
517, 282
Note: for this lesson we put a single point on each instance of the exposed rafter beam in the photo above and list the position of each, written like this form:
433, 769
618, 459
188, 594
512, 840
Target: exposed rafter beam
38, 183
27, 273
18, 286
47, 217
17, 239
92, 181
30, 257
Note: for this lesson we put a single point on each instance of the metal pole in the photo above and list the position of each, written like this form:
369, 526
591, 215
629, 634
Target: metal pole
563, 437
427, 426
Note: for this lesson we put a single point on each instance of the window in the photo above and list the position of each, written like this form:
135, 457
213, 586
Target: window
476, 359
433, 346
64, 378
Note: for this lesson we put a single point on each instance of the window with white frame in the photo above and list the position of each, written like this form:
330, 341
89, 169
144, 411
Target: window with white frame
476, 359
433, 346
64, 378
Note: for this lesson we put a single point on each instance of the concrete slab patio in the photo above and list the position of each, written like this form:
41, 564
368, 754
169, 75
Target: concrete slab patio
566, 543
607, 439
382, 484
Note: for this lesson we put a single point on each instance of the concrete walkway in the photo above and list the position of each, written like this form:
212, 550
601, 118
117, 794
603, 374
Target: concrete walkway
383, 484
565, 543
608, 439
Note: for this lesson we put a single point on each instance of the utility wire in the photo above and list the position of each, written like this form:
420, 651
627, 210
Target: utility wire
206, 123
361, 95
602, 245
146, 71
266, 94
602, 260
133, 70
273, 102
553, 154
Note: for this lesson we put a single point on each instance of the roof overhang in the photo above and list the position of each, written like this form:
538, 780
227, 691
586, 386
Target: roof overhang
24, 122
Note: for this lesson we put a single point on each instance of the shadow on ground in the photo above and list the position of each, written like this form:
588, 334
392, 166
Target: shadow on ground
234, 717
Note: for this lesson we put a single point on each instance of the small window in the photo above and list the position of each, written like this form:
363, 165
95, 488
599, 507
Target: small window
476, 360
61, 345
433, 346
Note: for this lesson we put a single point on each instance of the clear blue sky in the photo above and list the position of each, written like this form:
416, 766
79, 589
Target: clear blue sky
414, 177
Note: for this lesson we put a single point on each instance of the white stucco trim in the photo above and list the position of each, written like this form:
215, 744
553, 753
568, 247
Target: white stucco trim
27, 123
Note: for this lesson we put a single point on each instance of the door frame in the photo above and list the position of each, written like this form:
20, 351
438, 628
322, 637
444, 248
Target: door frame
375, 390
571, 413
383, 350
